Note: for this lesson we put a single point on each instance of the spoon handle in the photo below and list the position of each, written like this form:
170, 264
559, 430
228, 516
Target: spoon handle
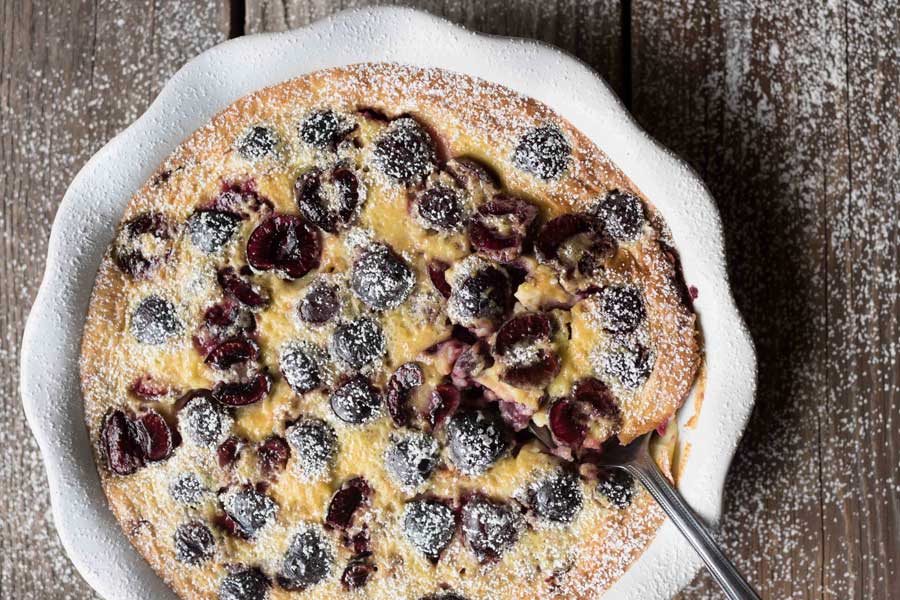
722, 569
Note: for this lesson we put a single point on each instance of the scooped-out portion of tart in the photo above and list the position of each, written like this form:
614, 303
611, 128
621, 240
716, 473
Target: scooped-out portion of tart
324, 326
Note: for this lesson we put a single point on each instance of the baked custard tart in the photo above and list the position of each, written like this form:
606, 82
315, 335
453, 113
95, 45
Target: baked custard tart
317, 342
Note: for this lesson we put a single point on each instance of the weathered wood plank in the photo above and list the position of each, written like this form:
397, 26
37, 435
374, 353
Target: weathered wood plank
789, 112
72, 74
590, 29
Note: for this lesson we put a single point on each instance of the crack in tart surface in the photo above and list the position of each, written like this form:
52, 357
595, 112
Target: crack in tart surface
322, 329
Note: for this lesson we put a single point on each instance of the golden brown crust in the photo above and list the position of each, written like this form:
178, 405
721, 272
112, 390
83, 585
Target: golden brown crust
470, 118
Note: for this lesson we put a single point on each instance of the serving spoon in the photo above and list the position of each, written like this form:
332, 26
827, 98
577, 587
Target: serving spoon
635, 459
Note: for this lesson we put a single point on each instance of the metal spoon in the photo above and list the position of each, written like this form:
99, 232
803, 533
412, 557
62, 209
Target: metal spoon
636, 460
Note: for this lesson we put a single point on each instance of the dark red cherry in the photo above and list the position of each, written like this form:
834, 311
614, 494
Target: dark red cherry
558, 498
357, 344
202, 420
239, 288
239, 198
320, 303
622, 215
574, 240
194, 543
631, 364
315, 445
411, 458
229, 451
404, 151
429, 526
357, 573
221, 322
471, 363
617, 486
232, 352
356, 401
250, 509
256, 143
440, 208
273, 454
437, 273
405, 379
522, 345
567, 423
381, 278
524, 328
501, 226
360, 542
301, 364
246, 584
156, 436
475, 440
484, 295
121, 441
242, 393
622, 308
210, 230
309, 559
141, 244
353, 494
595, 394
543, 151
324, 129
286, 244
490, 528
442, 404
329, 199
155, 320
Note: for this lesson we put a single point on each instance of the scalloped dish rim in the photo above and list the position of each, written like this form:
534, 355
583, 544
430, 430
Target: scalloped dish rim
96, 199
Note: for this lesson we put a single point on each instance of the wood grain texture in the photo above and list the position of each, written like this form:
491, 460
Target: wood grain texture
72, 75
789, 111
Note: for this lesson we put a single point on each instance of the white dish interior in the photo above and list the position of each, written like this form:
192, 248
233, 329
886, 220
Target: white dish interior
96, 199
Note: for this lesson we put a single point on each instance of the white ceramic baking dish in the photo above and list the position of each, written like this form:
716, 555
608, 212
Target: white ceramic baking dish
95, 202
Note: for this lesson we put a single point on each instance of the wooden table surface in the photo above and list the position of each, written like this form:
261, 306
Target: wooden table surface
790, 111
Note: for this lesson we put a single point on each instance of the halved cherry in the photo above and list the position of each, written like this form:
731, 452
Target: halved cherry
357, 573
529, 327
405, 379
598, 396
236, 286
352, 495
523, 346
471, 363
273, 454
157, 437
286, 244
500, 227
242, 393
120, 442
329, 199
229, 451
442, 404
223, 321
232, 352
585, 243
437, 272
567, 423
